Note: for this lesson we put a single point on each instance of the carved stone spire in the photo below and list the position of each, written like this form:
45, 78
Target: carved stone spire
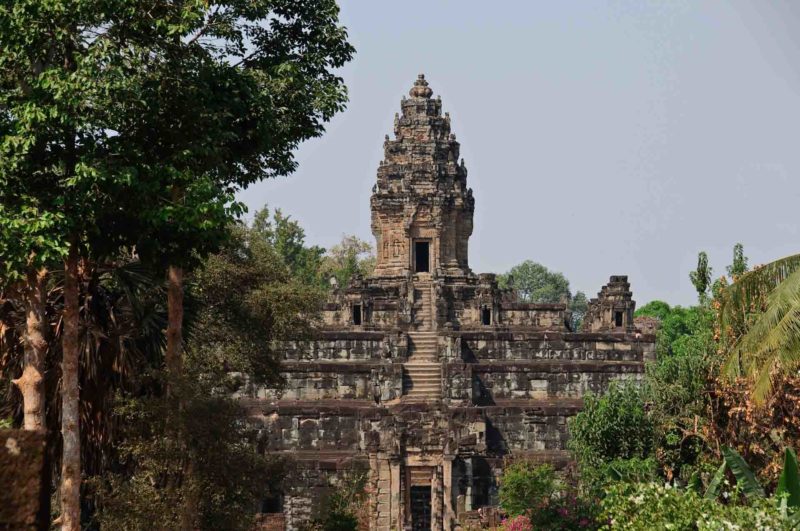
421, 193
420, 88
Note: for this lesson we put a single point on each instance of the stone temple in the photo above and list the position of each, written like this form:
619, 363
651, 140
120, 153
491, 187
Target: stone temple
425, 376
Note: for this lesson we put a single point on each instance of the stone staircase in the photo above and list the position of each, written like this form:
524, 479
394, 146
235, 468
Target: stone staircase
422, 374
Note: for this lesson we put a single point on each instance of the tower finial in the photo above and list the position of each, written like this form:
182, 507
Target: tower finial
420, 88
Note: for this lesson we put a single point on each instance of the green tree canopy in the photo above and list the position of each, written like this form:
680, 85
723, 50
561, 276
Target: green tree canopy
533, 282
348, 258
287, 238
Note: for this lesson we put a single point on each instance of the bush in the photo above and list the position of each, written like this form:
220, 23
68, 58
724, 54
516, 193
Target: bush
526, 486
612, 426
646, 506
532, 493
517, 523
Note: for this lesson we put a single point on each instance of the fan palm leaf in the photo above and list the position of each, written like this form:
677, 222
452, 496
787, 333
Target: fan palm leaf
760, 314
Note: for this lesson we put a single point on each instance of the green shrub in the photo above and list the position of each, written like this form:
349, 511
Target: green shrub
647, 506
634, 470
534, 491
526, 486
612, 426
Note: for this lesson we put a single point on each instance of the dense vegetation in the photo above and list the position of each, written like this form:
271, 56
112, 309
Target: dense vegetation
705, 440
145, 453
126, 129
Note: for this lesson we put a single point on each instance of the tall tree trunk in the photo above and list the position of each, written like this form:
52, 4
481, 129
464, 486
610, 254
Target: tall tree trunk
31, 383
70, 398
174, 355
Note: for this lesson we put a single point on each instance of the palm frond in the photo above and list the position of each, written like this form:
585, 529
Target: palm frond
741, 297
761, 312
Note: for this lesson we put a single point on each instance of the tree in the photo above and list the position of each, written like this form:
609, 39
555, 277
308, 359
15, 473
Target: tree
58, 79
578, 306
533, 282
348, 258
287, 237
760, 323
739, 265
701, 276
201, 451
612, 426
677, 384
222, 100
144, 118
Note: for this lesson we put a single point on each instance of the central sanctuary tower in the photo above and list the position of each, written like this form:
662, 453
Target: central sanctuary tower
421, 206
424, 377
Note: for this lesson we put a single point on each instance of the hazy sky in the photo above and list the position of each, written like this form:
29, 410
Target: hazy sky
601, 138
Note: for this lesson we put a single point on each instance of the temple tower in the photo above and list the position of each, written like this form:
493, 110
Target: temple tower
421, 207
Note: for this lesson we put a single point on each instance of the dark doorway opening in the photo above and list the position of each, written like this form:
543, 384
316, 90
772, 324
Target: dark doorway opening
420, 508
272, 504
357, 314
422, 257
486, 316
617, 318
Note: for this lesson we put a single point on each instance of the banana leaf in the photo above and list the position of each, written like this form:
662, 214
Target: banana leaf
714, 487
789, 482
744, 476
695, 483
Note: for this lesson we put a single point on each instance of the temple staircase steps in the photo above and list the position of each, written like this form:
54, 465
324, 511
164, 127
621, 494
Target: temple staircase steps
423, 308
422, 373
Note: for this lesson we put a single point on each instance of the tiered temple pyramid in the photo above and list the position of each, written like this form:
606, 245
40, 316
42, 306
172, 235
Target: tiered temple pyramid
426, 376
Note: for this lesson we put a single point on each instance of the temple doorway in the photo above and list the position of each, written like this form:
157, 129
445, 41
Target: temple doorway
422, 257
421, 508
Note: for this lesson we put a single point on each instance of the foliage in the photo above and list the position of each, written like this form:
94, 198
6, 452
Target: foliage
745, 478
349, 258
760, 324
789, 482
578, 306
633, 470
526, 485
171, 449
677, 384
346, 506
612, 426
287, 238
248, 83
232, 336
646, 506
531, 492
739, 265
121, 306
701, 276
682, 331
760, 432
533, 282
517, 523
190, 448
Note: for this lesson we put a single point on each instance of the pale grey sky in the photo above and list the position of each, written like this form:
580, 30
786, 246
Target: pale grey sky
617, 137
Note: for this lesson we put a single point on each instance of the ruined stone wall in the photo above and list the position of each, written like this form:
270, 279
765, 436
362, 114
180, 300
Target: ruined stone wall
344, 346
327, 381
497, 382
506, 345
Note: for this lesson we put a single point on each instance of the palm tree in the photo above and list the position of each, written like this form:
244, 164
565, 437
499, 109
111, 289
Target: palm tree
760, 322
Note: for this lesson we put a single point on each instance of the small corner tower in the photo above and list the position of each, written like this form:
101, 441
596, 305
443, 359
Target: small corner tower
421, 207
